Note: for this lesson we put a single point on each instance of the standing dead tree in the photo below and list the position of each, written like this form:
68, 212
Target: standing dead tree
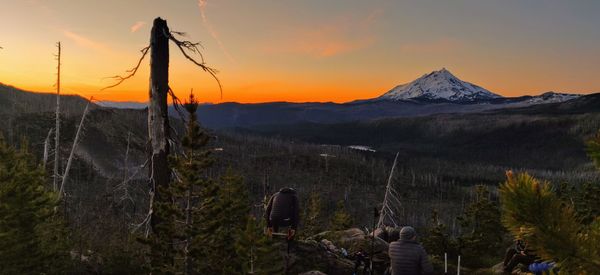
47, 148
57, 127
391, 202
75, 143
158, 117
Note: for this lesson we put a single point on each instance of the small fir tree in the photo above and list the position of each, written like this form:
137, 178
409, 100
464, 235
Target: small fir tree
258, 253
482, 238
341, 220
32, 234
436, 240
312, 216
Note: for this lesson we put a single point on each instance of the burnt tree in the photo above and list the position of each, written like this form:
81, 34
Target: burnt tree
158, 219
158, 115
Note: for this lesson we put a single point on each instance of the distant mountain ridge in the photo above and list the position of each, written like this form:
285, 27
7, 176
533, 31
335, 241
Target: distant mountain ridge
440, 85
438, 92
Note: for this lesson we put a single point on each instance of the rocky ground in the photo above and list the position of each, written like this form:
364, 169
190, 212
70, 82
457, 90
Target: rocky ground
331, 253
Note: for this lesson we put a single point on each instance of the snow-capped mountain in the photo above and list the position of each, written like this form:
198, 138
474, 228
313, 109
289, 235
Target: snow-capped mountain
439, 85
552, 97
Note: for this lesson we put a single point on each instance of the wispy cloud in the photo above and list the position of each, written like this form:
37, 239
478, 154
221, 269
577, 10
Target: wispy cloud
343, 35
84, 41
441, 45
211, 30
138, 25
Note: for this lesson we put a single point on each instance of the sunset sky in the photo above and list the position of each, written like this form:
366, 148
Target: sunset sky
305, 50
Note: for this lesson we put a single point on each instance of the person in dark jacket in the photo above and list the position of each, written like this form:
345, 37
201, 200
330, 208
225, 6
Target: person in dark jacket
283, 211
407, 256
518, 254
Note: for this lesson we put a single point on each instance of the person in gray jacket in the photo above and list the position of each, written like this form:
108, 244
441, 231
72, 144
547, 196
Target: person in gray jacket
407, 256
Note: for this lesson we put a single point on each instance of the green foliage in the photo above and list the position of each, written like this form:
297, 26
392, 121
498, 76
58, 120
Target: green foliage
311, 216
585, 199
32, 236
218, 244
204, 217
483, 232
531, 210
436, 240
593, 149
341, 220
258, 253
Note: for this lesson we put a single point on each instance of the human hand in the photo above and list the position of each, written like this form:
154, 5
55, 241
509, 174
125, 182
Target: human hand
270, 231
291, 233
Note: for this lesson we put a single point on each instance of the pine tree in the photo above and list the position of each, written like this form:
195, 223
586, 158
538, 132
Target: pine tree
436, 240
483, 231
311, 216
341, 220
205, 217
231, 208
186, 215
32, 236
551, 227
258, 253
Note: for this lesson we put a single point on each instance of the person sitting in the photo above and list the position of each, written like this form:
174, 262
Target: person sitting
518, 254
283, 211
407, 256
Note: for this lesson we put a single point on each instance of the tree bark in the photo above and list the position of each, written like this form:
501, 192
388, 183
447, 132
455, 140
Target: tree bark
57, 127
158, 117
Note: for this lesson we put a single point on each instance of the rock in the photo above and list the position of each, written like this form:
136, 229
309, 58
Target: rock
388, 233
498, 269
354, 240
310, 256
329, 246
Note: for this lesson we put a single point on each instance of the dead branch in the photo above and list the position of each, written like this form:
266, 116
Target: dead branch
193, 47
131, 72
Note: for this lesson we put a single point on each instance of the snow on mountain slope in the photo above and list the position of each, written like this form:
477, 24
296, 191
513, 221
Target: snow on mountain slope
552, 97
439, 85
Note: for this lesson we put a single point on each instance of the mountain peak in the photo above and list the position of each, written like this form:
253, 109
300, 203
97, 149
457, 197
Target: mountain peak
439, 85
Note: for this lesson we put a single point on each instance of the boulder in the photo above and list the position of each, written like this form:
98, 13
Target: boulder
388, 233
354, 240
311, 256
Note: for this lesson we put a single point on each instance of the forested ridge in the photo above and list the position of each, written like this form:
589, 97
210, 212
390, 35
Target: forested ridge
98, 226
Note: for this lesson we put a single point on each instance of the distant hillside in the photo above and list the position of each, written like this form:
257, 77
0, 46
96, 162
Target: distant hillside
14, 100
441, 154
549, 136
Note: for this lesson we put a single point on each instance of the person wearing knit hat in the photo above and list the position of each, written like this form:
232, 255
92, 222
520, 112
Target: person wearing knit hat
407, 256
407, 233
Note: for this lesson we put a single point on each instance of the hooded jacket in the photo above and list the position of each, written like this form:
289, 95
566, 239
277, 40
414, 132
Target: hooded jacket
283, 206
408, 257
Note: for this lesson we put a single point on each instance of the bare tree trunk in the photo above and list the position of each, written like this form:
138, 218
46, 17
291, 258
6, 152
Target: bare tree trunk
57, 127
47, 148
75, 142
158, 117
188, 238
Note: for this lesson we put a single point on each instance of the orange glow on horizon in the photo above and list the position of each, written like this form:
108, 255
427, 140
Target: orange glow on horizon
304, 51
